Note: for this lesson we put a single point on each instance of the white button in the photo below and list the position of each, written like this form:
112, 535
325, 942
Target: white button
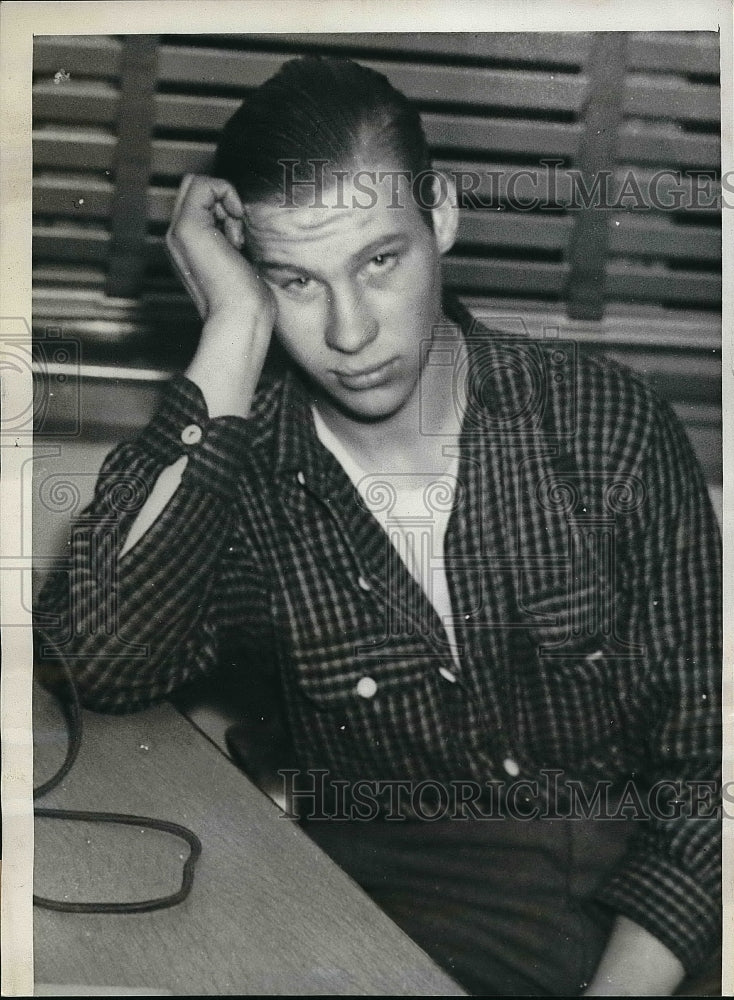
301, 478
364, 584
366, 687
191, 434
446, 673
511, 766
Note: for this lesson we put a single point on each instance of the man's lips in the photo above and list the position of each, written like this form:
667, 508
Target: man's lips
367, 378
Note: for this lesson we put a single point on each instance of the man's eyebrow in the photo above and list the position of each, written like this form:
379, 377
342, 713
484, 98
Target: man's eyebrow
381, 243
279, 265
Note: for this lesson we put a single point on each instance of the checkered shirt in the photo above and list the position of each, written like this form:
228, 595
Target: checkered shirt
582, 557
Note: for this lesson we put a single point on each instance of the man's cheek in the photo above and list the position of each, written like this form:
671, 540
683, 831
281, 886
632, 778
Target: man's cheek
420, 287
291, 327
409, 298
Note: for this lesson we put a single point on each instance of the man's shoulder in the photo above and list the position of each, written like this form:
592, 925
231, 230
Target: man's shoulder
565, 379
619, 419
625, 390
616, 409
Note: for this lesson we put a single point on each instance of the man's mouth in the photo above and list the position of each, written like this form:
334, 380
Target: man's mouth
366, 378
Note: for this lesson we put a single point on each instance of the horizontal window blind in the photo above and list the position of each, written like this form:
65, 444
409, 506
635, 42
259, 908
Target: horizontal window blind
519, 112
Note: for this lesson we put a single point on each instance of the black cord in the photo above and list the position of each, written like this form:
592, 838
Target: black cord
145, 905
73, 714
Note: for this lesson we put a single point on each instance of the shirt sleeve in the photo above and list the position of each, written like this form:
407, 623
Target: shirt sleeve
131, 629
670, 883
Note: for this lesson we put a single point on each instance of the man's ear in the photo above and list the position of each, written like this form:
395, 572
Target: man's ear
445, 214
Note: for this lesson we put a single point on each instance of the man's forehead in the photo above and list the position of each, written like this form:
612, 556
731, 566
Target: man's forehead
355, 202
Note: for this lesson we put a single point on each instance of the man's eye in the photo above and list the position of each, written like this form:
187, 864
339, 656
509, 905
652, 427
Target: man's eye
383, 261
297, 284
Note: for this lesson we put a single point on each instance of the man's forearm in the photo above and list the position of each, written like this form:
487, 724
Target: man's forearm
229, 361
227, 380
635, 963
119, 619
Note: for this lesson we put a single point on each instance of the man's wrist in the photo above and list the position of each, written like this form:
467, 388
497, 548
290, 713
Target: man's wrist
228, 363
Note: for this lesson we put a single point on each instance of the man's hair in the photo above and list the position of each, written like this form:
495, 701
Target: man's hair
318, 109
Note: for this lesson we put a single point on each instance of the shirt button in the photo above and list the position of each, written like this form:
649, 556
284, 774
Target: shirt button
301, 478
447, 674
366, 687
191, 434
364, 584
511, 767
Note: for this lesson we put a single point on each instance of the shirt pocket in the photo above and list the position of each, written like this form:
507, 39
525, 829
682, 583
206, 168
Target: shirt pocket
581, 714
578, 690
578, 622
359, 671
373, 710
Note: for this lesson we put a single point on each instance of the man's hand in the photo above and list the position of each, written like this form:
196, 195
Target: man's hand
635, 964
204, 242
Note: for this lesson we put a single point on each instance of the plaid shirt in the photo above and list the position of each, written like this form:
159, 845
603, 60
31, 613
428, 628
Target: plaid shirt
582, 557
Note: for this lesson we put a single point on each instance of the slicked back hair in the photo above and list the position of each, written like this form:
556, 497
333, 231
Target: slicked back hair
317, 109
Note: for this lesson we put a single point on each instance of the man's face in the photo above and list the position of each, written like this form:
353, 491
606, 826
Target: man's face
357, 290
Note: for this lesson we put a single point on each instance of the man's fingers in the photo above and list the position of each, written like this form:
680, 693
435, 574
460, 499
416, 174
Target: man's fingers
215, 193
231, 201
233, 230
200, 196
231, 227
204, 242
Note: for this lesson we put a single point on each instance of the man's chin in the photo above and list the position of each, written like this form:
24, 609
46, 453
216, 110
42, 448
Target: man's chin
368, 407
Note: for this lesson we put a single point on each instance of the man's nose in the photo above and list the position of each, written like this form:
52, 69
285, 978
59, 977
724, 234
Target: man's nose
351, 325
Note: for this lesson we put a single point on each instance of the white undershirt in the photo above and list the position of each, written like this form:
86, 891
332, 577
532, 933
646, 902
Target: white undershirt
414, 511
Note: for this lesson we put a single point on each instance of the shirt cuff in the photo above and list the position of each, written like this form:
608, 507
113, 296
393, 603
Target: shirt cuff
670, 904
216, 447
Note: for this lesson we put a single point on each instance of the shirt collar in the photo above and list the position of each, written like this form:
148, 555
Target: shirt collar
301, 460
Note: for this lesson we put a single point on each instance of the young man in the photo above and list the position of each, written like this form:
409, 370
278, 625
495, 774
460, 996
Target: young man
484, 571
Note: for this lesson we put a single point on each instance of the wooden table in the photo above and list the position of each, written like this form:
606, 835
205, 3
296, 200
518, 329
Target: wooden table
269, 913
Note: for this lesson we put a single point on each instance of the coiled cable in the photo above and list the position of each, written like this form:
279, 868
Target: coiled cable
73, 714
